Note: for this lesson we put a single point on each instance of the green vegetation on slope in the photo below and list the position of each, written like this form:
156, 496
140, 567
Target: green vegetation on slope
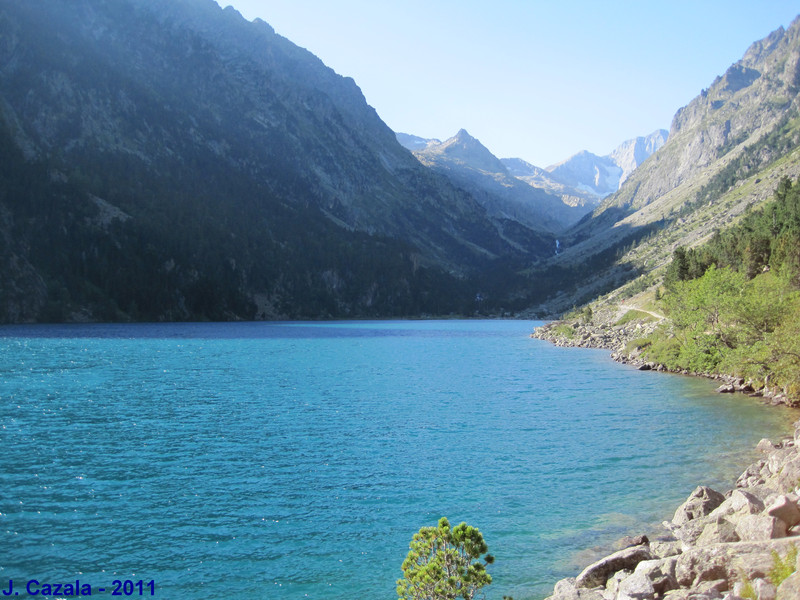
734, 303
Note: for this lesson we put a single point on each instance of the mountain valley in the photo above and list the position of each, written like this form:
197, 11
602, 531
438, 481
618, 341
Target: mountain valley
178, 162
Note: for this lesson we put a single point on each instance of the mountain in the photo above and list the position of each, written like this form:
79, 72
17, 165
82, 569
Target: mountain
168, 161
603, 175
727, 152
632, 153
579, 182
414, 142
597, 175
173, 161
540, 178
471, 166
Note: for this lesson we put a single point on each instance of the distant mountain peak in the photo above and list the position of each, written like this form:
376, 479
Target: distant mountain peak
603, 175
466, 149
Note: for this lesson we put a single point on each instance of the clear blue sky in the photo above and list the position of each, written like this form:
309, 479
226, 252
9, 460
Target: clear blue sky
538, 80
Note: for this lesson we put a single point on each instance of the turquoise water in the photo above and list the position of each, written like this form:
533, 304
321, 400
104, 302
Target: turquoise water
296, 460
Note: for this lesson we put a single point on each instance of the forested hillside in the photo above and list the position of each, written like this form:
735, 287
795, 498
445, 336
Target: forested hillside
734, 302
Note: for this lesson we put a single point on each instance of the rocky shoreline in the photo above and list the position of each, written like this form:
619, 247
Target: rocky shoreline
616, 338
718, 546
737, 545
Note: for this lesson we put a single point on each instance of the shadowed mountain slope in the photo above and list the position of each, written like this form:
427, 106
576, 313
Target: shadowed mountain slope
190, 164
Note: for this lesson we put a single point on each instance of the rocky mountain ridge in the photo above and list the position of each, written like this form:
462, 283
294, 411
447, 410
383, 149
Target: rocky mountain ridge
603, 175
580, 180
727, 151
470, 165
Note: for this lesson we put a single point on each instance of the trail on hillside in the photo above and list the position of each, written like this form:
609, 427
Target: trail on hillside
623, 308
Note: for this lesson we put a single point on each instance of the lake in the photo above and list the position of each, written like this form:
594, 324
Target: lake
296, 460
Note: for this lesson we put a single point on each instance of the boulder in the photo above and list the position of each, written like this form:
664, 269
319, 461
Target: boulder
718, 531
664, 549
689, 533
739, 588
700, 503
612, 585
693, 595
740, 503
755, 560
785, 508
659, 576
757, 528
785, 480
566, 590
746, 502
707, 563
777, 459
790, 588
628, 541
755, 474
636, 587
597, 574
765, 446
712, 589
764, 589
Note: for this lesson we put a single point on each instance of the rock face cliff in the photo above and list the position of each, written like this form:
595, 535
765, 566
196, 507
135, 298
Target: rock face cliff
727, 151
737, 109
171, 160
603, 175
749, 101
470, 165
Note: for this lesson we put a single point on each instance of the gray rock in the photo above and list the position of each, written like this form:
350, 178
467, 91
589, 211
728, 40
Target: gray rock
612, 585
777, 459
739, 588
764, 589
740, 503
689, 533
755, 474
709, 563
754, 560
636, 587
665, 549
790, 588
786, 479
718, 531
712, 589
628, 541
700, 503
765, 445
597, 574
756, 528
743, 501
566, 590
690, 595
660, 574
785, 508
